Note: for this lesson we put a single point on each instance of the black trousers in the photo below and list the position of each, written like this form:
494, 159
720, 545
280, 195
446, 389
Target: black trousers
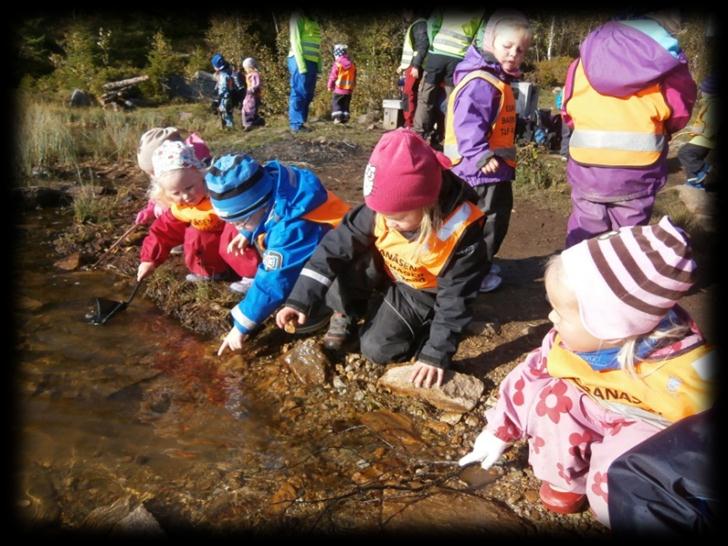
496, 201
397, 317
692, 158
340, 107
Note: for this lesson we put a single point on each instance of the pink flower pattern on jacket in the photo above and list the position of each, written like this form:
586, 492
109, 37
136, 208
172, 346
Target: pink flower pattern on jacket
552, 401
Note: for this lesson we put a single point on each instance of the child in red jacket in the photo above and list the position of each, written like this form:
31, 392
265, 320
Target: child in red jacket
190, 219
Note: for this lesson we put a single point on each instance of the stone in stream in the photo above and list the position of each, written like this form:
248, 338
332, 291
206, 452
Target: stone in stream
308, 362
458, 394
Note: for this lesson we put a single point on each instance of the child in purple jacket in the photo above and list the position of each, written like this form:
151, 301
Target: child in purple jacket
628, 91
480, 125
342, 80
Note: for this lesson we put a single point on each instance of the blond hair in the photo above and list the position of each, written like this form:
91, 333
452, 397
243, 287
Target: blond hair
627, 355
431, 222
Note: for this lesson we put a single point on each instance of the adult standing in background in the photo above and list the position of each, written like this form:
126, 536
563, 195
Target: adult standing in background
414, 52
450, 34
304, 64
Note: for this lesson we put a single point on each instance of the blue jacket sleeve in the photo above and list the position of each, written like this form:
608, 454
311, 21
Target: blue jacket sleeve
290, 243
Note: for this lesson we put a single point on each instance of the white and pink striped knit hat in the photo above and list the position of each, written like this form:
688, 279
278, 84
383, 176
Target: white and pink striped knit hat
626, 281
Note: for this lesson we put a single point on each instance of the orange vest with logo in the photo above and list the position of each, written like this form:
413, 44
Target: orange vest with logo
502, 133
401, 259
200, 216
616, 131
674, 387
346, 77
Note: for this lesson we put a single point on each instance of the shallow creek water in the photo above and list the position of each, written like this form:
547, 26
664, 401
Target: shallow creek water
135, 424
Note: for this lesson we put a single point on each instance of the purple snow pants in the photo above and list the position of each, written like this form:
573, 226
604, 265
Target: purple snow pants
589, 218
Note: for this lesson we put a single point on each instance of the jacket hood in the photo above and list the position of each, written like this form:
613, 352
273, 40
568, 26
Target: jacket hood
623, 57
478, 60
297, 191
344, 60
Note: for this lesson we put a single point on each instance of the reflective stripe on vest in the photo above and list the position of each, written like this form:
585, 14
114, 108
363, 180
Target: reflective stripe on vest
310, 40
200, 216
502, 133
401, 260
330, 212
346, 77
616, 131
674, 387
408, 50
455, 35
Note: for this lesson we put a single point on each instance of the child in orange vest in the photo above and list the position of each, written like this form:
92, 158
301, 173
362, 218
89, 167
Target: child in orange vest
418, 241
189, 220
622, 362
342, 80
480, 126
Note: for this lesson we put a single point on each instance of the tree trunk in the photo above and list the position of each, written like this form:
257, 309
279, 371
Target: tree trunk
125, 83
551, 39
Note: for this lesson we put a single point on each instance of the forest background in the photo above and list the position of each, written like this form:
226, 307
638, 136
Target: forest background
59, 52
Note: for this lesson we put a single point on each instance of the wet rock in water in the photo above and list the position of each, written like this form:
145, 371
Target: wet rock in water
69, 263
105, 517
454, 512
38, 504
308, 362
459, 392
475, 477
25, 303
393, 428
138, 522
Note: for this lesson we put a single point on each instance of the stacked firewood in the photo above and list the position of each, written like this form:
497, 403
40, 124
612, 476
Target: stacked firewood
117, 93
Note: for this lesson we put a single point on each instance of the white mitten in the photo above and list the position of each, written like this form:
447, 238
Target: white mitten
487, 450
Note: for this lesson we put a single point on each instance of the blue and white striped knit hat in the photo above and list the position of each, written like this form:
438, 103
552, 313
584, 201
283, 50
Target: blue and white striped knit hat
238, 186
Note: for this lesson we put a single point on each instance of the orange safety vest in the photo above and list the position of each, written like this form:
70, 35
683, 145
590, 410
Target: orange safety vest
616, 131
200, 216
329, 212
502, 133
401, 261
674, 388
346, 77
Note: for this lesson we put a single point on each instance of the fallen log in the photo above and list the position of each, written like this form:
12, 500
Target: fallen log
125, 83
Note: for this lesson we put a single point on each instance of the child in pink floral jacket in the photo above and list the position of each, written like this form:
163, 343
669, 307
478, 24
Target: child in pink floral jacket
621, 363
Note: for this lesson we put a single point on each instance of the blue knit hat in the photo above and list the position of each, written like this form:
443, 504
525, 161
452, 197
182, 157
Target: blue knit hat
238, 186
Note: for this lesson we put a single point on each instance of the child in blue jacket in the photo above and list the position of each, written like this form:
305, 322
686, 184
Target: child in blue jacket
284, 211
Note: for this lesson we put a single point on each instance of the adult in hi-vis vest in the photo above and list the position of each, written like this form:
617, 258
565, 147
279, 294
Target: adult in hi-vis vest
450, 33
628, 91
304, 64
414, 52
480, 127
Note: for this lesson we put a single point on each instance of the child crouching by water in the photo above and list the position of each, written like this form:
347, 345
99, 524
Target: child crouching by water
418, 239
189, 220
622, 362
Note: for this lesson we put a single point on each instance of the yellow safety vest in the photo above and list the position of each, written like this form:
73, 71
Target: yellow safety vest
310, 35
200, 216
401, 259
674, 388
456, 34
408, 49
502, 133
616, 131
